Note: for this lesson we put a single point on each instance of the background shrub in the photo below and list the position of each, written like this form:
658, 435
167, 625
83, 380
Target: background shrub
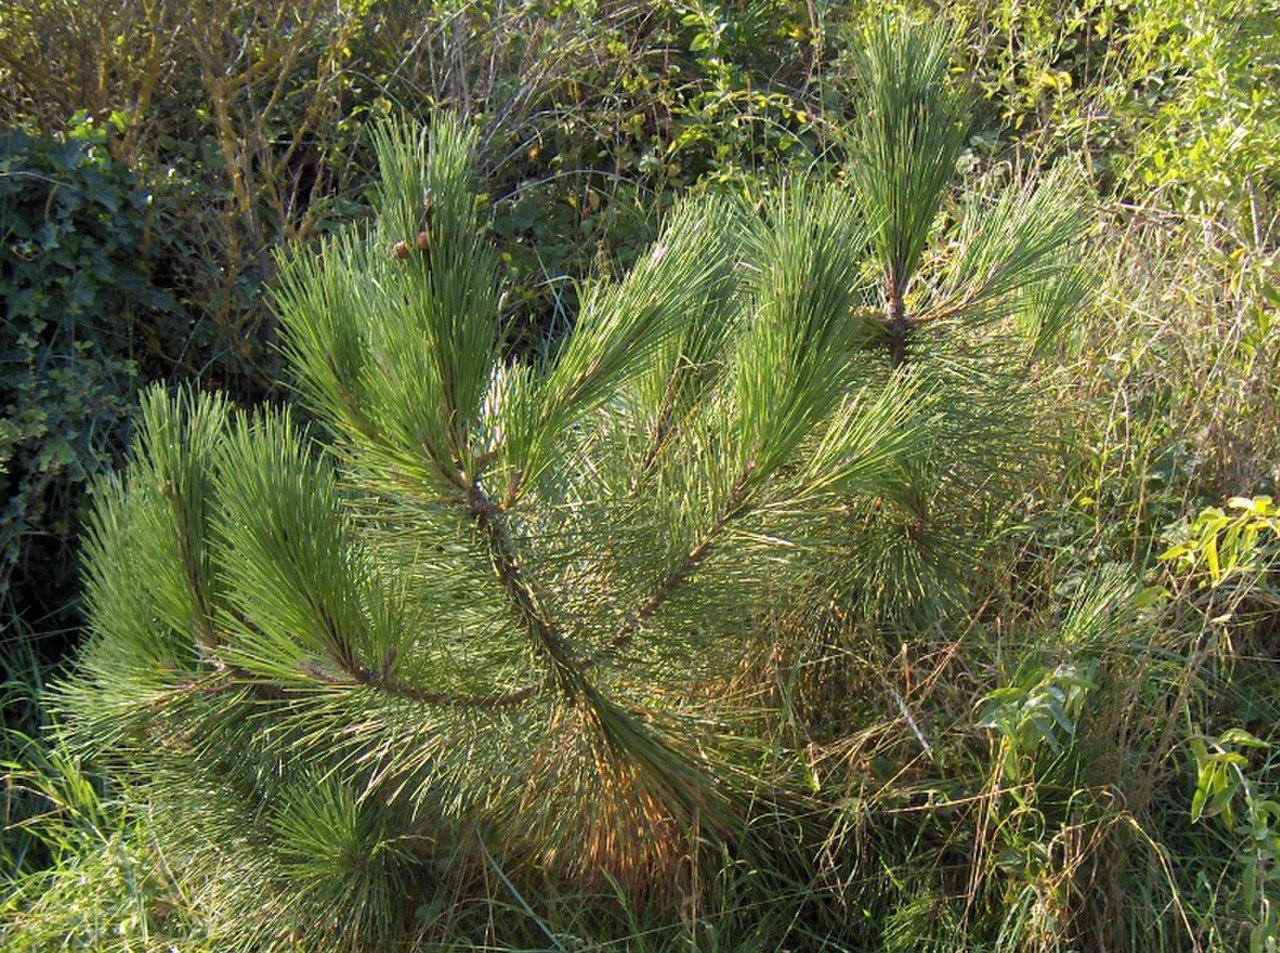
85, 319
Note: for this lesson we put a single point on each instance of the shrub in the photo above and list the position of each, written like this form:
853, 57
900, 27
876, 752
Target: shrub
81, 309
500, 612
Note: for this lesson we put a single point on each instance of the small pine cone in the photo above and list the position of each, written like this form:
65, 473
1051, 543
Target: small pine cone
424, 241
401, 250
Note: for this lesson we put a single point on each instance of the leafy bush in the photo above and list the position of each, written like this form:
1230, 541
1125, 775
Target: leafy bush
258, 126
1214, 139
1172, 103
81, 309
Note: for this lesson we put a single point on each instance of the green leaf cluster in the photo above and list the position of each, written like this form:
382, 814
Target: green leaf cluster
76, 293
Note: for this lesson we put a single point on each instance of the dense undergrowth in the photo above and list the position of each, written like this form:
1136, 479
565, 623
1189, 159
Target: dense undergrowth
1063, 740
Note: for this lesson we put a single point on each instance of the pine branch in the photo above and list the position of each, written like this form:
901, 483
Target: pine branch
666, 428
360, 676
521, 592
736, 506
898, 323
658, 433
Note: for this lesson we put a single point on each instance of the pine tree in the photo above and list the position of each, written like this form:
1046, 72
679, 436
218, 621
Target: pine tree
487, 613
972, 285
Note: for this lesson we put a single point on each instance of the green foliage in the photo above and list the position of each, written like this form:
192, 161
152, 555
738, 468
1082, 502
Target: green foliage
1233, 558
105, 887
1221, 786
24, 717
1181, 405
1036, 712
257, 128
1215, 135
1230, 546
80, 307
1171, 102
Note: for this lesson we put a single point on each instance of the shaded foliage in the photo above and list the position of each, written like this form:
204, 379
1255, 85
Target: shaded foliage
83, 312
